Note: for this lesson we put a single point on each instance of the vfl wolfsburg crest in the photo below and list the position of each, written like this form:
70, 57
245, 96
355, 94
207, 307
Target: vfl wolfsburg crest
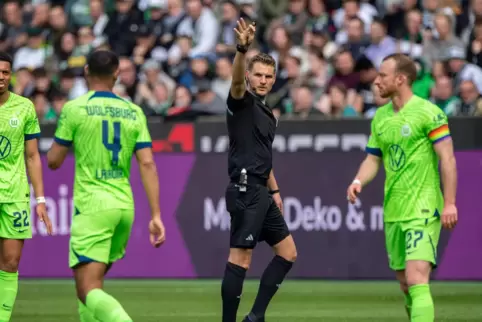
406, 131
14, 122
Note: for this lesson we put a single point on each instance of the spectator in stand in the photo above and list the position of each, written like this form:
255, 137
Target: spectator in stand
42, 82
436, 47
462, 70
356, 41
222, 82
32, 55
227, 39
364, 101
12, 33
344, 74
128, 76
443, 96
281, 43
145, 42
268, 10
345, 71
171, 22
319, 18
381, 45
302, 105
182, 99
352, 9
207, 101
24, 82
467, 19
338, 102
400, 22
40, 18
279, 97
318, 75
156, 100
59, 99
123, 26
319, 40
98, 21
424, 82
294, 21
41, 103
202, 26
58, 23
474, 46
471, 99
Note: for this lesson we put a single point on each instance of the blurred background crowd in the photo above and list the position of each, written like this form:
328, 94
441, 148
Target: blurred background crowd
176, 55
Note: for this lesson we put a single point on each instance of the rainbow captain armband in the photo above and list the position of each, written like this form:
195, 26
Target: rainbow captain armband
439, 134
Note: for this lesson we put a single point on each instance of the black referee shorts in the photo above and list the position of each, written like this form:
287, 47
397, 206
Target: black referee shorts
254, 217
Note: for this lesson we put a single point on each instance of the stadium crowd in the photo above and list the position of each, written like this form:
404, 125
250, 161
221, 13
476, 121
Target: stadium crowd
176, 55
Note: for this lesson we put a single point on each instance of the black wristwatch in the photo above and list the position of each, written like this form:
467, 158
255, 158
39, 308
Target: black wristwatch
272, 192
242, 49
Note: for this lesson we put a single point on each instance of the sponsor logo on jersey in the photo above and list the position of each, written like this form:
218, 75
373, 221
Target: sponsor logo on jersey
396, 157
5, 147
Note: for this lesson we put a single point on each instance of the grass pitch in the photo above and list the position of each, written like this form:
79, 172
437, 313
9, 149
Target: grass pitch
199, 300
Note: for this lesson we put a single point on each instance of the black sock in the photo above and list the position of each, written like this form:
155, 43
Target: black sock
231, 290
272, 278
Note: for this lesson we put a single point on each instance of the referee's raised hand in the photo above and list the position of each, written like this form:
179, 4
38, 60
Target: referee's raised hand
245, 33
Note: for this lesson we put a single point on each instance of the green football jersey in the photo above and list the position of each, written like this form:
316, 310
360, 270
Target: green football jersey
18, 124
404, 140
105, 130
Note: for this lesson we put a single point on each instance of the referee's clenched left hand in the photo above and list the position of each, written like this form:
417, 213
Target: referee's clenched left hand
245, 33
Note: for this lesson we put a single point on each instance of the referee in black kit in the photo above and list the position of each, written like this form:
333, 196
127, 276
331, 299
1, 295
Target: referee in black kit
252, 196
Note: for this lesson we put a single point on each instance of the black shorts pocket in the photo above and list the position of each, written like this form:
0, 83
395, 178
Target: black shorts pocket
237, 201
233, 202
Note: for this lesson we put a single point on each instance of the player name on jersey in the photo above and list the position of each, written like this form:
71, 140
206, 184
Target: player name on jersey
106, 174
115, 112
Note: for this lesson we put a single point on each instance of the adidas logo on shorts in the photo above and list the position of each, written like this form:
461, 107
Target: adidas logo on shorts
250, 237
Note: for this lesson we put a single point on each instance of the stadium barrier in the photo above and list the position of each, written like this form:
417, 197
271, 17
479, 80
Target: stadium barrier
314, 162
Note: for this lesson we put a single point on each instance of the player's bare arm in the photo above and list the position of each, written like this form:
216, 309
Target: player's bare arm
56, 155
367, 172
448, 169
150, 180
245, 36
274, 189
34, 169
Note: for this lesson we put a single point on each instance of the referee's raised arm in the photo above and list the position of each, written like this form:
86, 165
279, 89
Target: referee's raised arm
245, 36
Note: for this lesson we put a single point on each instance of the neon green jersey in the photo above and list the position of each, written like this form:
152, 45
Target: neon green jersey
106, 130
18, 124
404, 141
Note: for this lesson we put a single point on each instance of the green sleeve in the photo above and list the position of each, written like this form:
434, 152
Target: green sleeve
64, 135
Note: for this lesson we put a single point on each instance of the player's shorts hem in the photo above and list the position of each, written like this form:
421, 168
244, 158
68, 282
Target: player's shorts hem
32, 136
63, 142
16, 237
101, 211
282, 236
243, 246
402, 268
81, 259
